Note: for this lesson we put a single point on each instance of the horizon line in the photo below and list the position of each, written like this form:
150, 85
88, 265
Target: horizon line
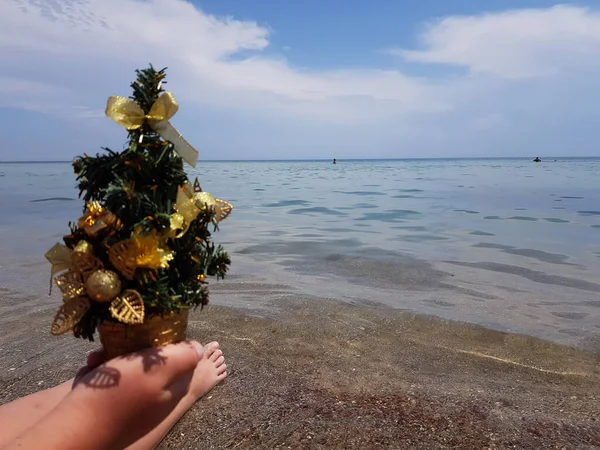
328, 159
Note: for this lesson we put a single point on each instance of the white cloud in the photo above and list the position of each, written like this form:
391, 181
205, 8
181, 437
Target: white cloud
513, 44
201, 50
65, 57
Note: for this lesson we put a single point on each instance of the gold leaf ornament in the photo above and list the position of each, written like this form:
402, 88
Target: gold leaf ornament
128, 307
197, 187
130, 115
122, 256
225, 209
71, 285
84, 260
69, 314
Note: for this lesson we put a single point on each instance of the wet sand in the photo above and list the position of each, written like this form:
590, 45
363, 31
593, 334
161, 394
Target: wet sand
315, 373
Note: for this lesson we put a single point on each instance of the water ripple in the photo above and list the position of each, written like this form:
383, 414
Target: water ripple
51, 199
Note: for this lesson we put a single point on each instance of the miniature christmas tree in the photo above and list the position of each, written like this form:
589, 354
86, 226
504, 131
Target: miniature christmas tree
140, 255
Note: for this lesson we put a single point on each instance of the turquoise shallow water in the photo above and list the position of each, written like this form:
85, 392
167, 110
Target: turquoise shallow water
325, 221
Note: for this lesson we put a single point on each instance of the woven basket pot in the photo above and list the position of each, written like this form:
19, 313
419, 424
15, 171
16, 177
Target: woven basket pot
120, 339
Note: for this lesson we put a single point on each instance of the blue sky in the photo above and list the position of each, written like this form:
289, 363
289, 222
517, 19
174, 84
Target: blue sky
274, 79
350, 33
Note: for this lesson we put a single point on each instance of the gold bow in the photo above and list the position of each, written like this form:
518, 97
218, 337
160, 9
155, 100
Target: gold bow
97, 218
60, 258
130, 115
189, 204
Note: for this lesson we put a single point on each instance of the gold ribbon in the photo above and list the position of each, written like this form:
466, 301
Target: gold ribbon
130, 115
60, 258
97, 218
187, 207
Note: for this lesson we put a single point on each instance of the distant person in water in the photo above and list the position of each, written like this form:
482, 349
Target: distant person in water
334, 161
537, 159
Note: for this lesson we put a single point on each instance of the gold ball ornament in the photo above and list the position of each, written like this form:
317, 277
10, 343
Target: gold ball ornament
103, 286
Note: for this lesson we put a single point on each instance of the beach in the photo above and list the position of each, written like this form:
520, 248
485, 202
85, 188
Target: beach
383, 304
308, 372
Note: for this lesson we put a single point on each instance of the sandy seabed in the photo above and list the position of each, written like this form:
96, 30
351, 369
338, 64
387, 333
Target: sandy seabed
313, 373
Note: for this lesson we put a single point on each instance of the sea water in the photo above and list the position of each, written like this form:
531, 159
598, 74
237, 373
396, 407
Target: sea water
367, 223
